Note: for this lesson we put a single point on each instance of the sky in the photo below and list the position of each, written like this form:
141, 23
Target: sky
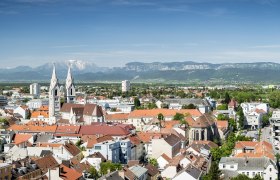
114, 32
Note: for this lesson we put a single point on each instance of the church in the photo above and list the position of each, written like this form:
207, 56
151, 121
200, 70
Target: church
70, 113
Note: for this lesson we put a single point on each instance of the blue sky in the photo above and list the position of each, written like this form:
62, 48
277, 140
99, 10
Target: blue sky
114, 32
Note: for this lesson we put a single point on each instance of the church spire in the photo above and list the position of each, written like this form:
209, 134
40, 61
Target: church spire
54, 80
70, 87
54, 72
69, 79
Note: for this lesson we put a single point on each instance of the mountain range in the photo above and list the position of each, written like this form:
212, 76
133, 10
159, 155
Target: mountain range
169, 72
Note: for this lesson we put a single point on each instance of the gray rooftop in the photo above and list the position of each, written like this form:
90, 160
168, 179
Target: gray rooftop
138, 171
248, 163
187, 101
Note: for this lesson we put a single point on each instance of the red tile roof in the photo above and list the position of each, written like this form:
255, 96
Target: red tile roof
222, 124
20, 138
116, 117
73, 129
72, 148
67, 173
33, 128
165, 112
103, 129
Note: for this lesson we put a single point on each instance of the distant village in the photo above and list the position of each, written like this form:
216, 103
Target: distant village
59, 133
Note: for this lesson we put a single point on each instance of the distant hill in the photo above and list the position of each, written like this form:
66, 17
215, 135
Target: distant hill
183, 72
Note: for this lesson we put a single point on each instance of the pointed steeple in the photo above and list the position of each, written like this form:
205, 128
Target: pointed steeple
54, 72
69, 79
54, 80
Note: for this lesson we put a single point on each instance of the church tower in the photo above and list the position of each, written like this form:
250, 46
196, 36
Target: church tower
69, 87
54, 98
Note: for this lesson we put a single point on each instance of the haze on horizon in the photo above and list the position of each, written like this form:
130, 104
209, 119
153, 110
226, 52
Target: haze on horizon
114, 32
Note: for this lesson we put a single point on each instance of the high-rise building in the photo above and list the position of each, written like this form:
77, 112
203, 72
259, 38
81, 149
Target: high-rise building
125, 86
35, 89
70, 93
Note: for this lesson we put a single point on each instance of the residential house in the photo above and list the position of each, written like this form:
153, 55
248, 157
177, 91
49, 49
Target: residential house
139, 118
169, 145
137, 148
275, 126
153, 172
223, 129
253, 113
136, 172
95, 160
23, 111
116, 118
25, 169
263, 166
163, 160
202, 104
253, 149
189, 173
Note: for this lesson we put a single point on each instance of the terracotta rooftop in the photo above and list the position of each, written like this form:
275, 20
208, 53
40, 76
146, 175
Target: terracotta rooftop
20, 138
33, 128
103, 129
36, 114
115, 117
260, 149
222, 124
73, 129
72, 148
47, 162
67, 173
44, 108
165, 112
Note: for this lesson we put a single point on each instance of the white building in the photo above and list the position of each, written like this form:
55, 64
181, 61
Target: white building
37, 103
35, 89
125, 86
253, 113
275, 126
263, 166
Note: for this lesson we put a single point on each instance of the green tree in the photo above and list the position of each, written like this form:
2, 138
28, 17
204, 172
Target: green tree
179, 116
153, 162
214, 172
227, 98
93, 173
222, 117
241, 117
108, 166
189, 106
152, 106
222, 107
137, 102
160, 118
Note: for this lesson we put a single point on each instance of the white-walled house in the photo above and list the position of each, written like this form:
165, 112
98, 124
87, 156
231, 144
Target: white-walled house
253, 113
169, 145
232, 166
23, 111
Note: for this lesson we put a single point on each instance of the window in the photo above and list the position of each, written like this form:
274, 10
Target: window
254, 173
270, 169
97, 147
224, 166
247, 173
231, 166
